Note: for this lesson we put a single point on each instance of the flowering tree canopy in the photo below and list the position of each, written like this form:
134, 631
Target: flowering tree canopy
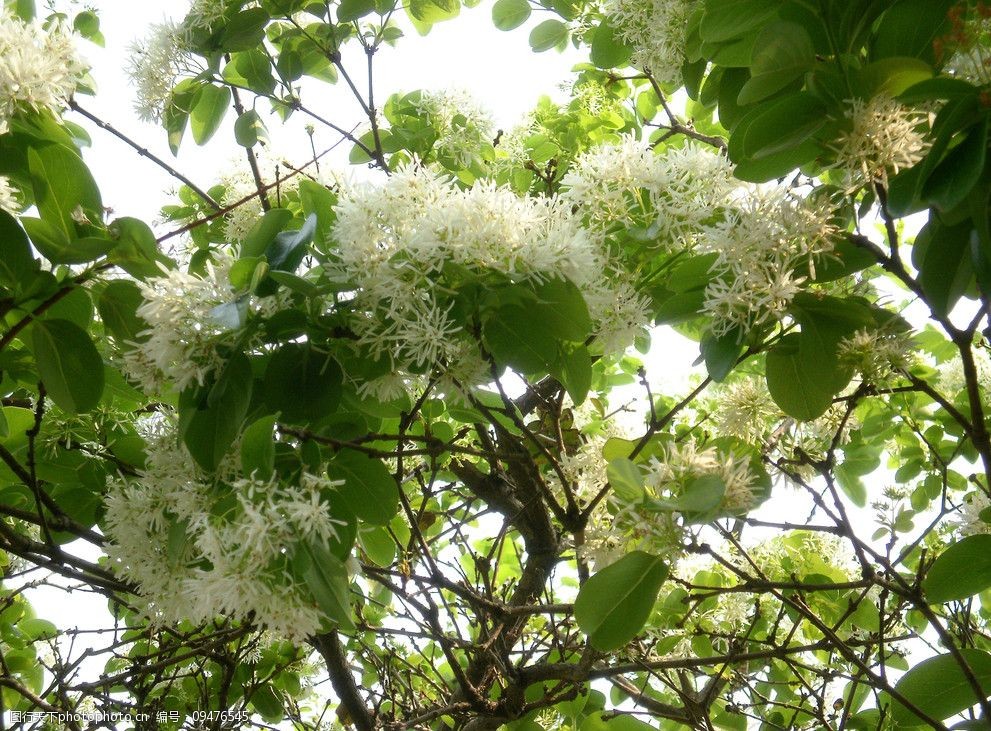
392, 447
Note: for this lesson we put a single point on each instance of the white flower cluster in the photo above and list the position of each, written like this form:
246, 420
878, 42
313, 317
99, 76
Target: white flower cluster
181, 343
183, 333
656, 29
396, 238
157, 64
877, 356
767, 244
969, 521
8, 197
675, 193
194, 562
766, 238
885, 136
952, 380
744, 409
39, 69
464, 126
681, 464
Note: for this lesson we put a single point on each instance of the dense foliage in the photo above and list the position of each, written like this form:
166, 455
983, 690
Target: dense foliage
390, 447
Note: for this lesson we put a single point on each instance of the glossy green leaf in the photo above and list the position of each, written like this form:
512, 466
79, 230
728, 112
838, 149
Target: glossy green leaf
962, 570
302, 383
245, 31
69, 364
328, 582
64, 188
574, 370
939, 687
249, 129
17, 263
626, 480
209, 111
208, 425
782, 53
548, 34
608, 49
613, 605
369, 490
118, 306
510, 14
258, 448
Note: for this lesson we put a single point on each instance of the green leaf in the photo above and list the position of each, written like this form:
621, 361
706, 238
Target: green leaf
268, 703
626, 480
350, 10
953, 179
245, 31
798, 393
729, 19
53, 243
252, 69
778, 134
942, 255
208, 111
328, 582
614, 604
63, 186
208, 426
369, 490
318, 201
561, 310
69, 364
117, 305
720, 354
962, 570
17, 263
527, 349
424, 13
939, 688
263, 233
608, 50
574, 370
249, 129
37, 629
302, 383
783, 52
701, 499
510, 14
548, 34
892, 76
136, 251
378, 545
910, 27
258, 448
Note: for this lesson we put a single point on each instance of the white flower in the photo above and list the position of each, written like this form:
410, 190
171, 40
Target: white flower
744, 410
156, 65
877, 356
8, 197
767, 245
464, 126
183, 333
884, 136
657, 31
397, 238
39, 70
672, 194
195, 563
682, 464
240, 184
970, 522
